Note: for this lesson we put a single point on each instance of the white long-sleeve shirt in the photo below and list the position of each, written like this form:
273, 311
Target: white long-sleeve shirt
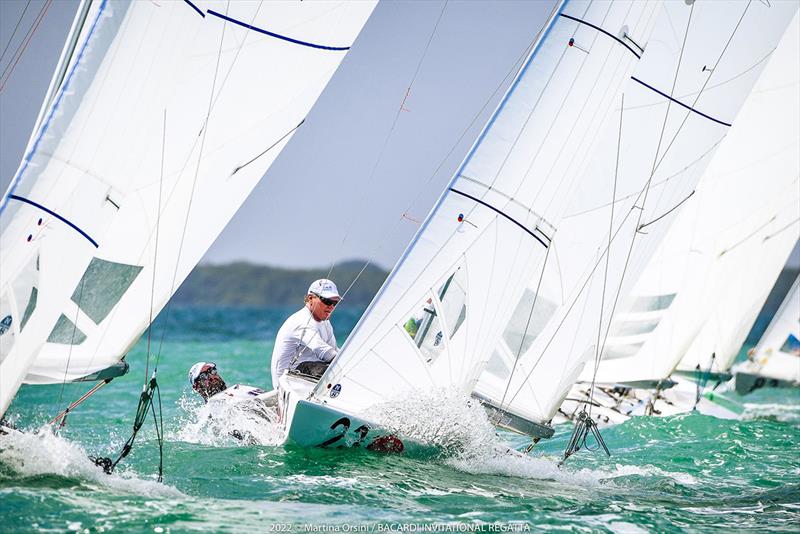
302, 339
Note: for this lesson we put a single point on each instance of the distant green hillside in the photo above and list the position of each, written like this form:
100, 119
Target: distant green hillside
245, 285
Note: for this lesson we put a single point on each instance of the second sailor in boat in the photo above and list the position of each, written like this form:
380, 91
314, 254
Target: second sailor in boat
305, 344
208, 383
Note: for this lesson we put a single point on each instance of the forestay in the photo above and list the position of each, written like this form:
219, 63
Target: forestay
169, 114
704, 287
436, 320
697, 68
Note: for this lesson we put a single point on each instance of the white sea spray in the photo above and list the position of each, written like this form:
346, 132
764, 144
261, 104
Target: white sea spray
225, 423
445, 419
41, 452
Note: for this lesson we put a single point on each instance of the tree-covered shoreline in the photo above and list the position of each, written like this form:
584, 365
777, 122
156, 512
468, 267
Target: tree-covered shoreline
248, 285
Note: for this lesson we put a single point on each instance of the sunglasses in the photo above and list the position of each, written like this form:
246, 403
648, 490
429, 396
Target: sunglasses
205, 375
327, 301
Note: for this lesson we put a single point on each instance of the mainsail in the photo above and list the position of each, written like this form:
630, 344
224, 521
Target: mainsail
701, 292
167, 115
777, 354
438, 316
698, 66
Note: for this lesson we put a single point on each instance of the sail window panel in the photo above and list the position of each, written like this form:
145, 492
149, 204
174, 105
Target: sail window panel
25, 290
65, 332
453, 299
34, 296
632, 328
103, 284
425, 328
497, 366
521, 332
652, 303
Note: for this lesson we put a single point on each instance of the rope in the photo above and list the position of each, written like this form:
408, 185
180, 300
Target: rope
584, 425
145, 405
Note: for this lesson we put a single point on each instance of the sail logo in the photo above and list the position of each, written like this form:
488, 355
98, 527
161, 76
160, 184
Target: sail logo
335, 390
5, 324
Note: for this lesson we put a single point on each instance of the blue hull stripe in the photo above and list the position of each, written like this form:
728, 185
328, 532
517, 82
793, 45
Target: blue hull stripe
482, 203
56, 215
276, 35
690, 108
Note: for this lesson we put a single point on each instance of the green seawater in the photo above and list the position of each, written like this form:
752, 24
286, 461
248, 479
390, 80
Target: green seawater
683, 473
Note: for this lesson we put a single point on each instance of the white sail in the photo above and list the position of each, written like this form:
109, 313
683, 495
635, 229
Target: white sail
698, 66
169, 114
436, 319
777, 354
706, 283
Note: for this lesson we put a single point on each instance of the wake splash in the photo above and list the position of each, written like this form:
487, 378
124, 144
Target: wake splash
225, 424
459, 427
445, 419
785, 413
32, 454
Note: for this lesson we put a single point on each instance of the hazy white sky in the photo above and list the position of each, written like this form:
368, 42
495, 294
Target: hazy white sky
371, 172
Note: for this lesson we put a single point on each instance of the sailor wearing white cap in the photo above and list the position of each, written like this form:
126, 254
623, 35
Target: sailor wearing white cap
306, 343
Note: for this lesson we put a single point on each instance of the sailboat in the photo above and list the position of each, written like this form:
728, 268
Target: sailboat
715, 267
550, 205
159, 121
654, 157
775, 360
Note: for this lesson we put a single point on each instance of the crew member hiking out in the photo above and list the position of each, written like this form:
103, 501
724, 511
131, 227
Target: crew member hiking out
305, 344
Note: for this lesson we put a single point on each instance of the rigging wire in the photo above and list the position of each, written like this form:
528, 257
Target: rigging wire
515, 67
379, 158
16, 27
155, 250
598, 348
71, 343
194, 184
6, 74
641, 208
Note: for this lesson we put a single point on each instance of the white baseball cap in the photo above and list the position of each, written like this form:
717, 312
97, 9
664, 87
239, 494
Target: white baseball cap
324, 288
198, 368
